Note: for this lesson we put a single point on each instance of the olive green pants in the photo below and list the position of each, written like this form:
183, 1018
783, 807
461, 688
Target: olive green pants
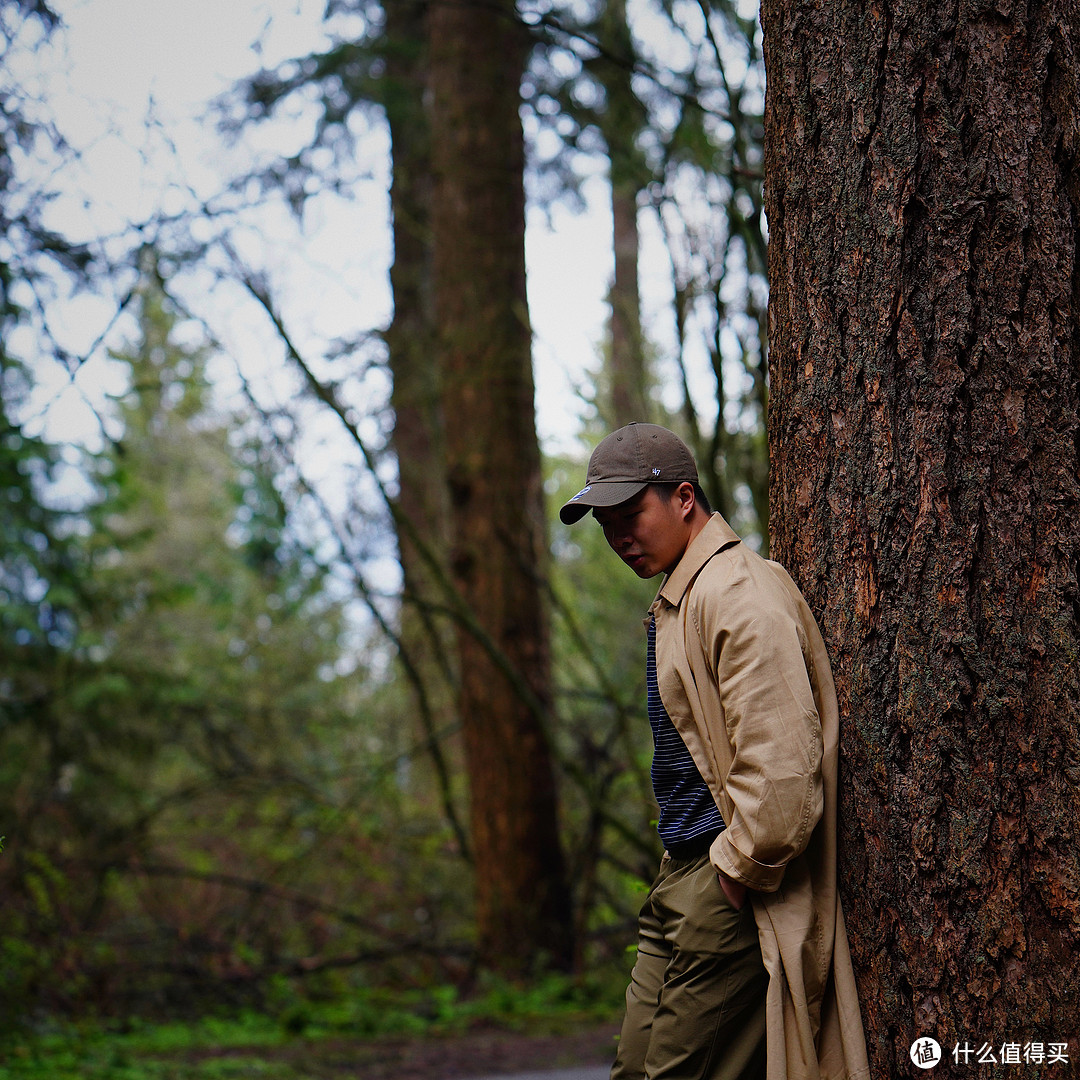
695, 1007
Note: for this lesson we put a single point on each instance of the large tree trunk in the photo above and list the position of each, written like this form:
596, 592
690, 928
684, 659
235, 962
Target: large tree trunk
923, 195
477, 53
423, 504
418, 425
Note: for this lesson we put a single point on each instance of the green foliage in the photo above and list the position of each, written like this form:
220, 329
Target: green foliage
194, 798
292, 1037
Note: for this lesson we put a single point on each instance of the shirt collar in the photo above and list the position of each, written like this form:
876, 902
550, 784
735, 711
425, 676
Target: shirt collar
715, 536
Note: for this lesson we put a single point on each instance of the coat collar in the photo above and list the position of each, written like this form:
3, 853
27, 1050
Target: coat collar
715, 536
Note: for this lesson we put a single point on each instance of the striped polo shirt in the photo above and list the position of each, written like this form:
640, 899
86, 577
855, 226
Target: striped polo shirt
687, 809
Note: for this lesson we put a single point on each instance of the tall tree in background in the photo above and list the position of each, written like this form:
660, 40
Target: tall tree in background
410, 338
630, 382
620, 116
376, 63
422, 521
673, 93
417, 437
708, 199
460, 347
924, 209
476, 55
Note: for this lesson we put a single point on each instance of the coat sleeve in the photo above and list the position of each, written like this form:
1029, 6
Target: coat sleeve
754, 644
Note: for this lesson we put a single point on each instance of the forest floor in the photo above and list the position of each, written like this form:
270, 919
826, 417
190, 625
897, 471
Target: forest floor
475, 1054
484, 1050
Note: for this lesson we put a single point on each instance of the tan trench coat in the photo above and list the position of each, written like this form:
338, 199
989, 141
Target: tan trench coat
744, 676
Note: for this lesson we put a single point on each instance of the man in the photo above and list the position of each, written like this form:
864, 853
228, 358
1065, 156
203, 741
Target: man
743, 969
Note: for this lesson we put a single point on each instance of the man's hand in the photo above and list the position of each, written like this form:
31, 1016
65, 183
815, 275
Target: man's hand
734, 890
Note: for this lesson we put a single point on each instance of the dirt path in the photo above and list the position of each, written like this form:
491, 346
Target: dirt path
580, 1072
494, 1054
473, 1056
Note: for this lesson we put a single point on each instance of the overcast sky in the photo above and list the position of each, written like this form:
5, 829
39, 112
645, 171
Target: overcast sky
119, 62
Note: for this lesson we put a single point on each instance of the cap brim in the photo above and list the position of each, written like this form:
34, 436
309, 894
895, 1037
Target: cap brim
599, 494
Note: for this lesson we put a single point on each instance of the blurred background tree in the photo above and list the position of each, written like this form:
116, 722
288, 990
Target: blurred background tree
673, 98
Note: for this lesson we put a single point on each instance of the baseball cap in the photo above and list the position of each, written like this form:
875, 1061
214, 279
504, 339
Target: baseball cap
625, 462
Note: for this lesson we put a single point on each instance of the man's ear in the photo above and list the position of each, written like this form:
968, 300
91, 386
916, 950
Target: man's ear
687, 500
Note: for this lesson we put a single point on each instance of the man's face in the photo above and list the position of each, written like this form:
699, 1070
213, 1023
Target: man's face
648, 532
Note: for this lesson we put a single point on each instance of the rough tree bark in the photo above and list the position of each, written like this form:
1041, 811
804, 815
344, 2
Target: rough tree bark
477, 54
923, 196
